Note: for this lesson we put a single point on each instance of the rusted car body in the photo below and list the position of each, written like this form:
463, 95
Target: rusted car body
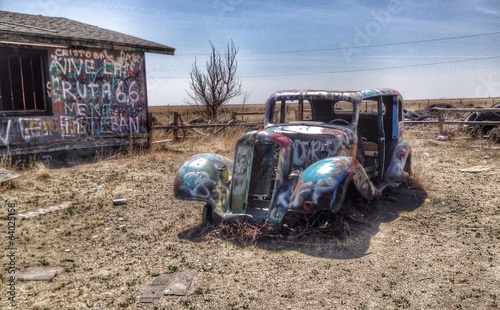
316, 146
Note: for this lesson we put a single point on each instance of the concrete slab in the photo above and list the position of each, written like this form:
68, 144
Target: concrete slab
38, 273
477, 169
6, 175
46, 209
168, 284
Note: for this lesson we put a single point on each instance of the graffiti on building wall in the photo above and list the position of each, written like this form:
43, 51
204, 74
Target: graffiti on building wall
27, 129
98, 93
5, 131
94, 93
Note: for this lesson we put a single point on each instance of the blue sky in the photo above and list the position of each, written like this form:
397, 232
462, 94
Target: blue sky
438, 49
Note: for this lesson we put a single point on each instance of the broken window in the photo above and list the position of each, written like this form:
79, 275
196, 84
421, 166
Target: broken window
22, 80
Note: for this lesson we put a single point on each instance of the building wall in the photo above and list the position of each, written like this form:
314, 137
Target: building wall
93, 94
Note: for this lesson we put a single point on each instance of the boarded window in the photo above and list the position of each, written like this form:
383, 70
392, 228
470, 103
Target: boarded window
22, 80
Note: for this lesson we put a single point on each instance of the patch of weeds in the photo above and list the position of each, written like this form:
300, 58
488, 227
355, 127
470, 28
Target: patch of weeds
187, 305
233, 305
172, 268
131, 283
170, 247
166, 228
43, 262
362, 306
73, 268
288, 295
402, 302
200, 291
8, 185
61, 286
207, 269
70, 211
243, 232
127, 302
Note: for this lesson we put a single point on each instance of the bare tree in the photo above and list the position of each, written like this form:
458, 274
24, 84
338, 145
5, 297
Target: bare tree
217, 85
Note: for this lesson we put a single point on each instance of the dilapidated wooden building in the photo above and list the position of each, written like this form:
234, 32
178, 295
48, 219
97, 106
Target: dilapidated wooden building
67, 85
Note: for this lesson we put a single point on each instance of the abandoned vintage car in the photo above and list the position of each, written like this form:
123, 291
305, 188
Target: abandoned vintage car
315, 148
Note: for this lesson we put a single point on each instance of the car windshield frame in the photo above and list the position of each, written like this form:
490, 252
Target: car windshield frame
312, 110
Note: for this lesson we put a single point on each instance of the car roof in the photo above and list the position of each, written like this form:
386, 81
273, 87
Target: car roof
354, 96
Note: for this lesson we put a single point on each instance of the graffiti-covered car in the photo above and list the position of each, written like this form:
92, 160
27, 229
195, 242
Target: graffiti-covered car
315, 148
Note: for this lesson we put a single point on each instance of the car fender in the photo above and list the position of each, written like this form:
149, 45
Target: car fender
323, 185
205, 177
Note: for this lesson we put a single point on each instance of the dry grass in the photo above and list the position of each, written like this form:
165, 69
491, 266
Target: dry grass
436, 247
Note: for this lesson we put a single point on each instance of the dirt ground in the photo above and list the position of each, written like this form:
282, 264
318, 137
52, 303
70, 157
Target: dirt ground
432, 244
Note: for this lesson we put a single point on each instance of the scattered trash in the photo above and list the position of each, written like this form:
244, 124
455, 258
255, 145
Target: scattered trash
427, 200
120, 201
442, 138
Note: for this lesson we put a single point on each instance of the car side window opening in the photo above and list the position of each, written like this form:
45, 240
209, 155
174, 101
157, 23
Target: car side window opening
286, 111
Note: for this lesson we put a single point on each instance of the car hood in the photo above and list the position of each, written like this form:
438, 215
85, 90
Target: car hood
312, 142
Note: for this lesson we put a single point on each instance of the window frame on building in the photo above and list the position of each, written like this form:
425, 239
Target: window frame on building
24, 74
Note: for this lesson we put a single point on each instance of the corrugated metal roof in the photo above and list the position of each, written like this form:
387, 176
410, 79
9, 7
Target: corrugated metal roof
38, 29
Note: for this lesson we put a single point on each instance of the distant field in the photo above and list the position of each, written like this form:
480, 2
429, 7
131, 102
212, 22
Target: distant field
458, 102
165, 113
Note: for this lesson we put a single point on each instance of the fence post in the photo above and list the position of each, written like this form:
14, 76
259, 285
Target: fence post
176, 124
441, 121
150, 131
